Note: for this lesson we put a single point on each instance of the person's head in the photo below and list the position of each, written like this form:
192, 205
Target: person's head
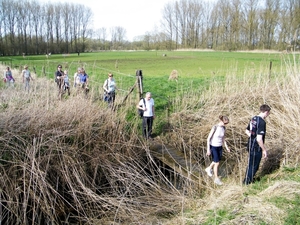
148, 95
82, 71
59, 67
25, 67
265, 110
7, 68
79, 70
66, 72
224, 119
110, 75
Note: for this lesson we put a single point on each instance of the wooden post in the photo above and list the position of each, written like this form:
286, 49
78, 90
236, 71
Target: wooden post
270, 70
139, 81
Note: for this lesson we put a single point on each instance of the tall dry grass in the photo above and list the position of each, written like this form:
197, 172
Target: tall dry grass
240, 97
76, 161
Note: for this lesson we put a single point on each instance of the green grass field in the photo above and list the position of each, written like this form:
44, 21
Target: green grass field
196, 69
190, 64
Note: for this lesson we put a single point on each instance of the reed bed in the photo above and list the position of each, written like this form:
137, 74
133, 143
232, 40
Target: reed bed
77, 161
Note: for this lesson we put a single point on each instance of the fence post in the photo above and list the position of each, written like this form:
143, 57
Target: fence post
139, 80
270, 70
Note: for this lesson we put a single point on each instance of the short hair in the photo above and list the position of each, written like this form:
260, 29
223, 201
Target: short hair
264, 108
224, 119
148, 93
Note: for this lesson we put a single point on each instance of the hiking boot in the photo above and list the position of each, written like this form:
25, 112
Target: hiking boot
218, 182
208, 171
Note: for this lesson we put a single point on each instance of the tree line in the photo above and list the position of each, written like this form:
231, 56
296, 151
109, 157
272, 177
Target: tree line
29, 27
232, 24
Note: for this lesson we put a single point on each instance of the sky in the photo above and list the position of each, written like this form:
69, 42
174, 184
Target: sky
136, 16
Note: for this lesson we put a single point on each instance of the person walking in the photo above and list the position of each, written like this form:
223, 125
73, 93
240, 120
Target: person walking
215, 141
110, 87
256, 131
66, 82
26, 75
59, 74
84, 81
77, 77
148, 115
8, 78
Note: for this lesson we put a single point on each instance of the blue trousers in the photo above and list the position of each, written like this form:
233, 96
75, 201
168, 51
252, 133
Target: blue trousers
255, 156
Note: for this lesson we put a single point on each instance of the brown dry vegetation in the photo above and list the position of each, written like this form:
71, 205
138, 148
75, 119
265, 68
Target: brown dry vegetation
74, 161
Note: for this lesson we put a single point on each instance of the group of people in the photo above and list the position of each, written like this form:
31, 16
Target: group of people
256, 129
10, 80
63, 83
256, 132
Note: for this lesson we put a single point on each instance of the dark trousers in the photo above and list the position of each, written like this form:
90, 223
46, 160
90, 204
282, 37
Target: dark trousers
255, 156
147, 126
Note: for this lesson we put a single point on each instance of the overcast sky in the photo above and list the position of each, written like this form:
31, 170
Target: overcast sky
136, 16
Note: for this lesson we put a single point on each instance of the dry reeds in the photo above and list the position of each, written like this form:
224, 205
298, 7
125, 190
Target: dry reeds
239, 97
76, 161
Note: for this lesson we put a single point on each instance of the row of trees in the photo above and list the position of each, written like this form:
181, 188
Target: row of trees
33, 28
232, 24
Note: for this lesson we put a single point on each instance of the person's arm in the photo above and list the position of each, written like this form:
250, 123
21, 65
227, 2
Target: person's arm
208, 141
261, 144
153, 111
226, 146
105, 85
248, 132
30, 77
140, 105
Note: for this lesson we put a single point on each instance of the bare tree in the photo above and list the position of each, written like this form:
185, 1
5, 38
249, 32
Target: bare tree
49, 27
269, 22
37, 21
250, 27
86, 16
169, 23
10, 22
101, 36
66, 17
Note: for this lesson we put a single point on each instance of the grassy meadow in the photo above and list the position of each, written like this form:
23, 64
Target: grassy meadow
196, 69
75, 161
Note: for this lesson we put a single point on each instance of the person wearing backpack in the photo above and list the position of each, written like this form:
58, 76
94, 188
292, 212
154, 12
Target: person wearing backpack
26, 77
256, 131
215, 141
110, 88
148, 116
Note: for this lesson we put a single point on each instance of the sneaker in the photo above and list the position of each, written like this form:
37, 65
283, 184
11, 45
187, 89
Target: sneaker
208, 171
218, 182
